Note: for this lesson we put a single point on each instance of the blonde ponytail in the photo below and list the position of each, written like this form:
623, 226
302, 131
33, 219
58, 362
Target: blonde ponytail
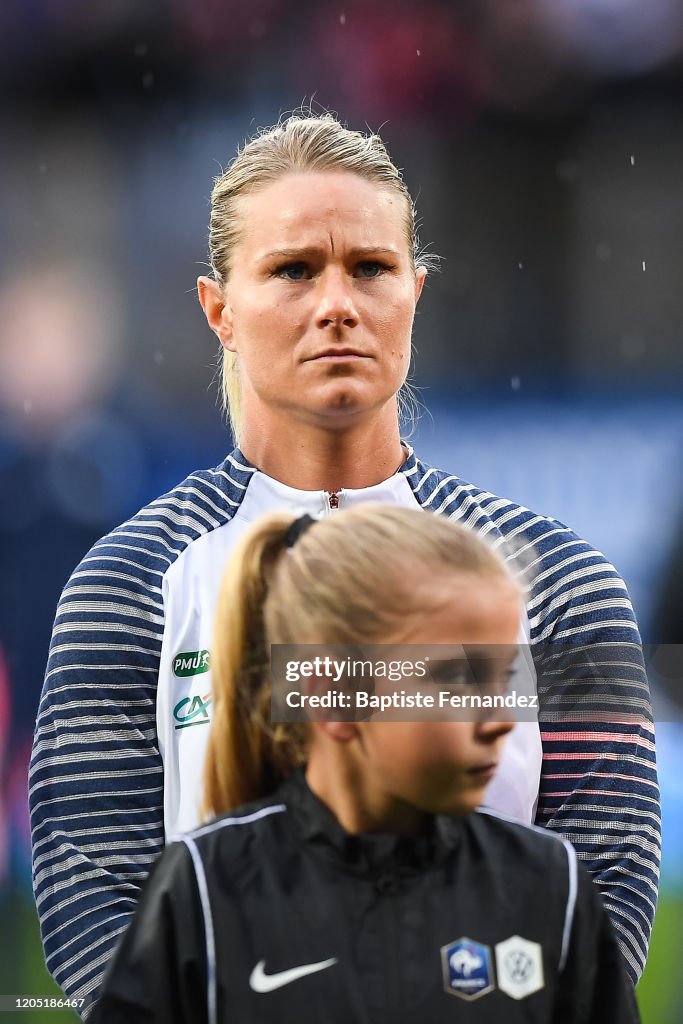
247, 756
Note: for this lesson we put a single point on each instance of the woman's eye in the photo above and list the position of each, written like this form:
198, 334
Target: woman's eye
293, 271
370, 268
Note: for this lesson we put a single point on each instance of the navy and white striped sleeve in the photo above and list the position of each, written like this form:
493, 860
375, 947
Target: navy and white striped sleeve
599, 784
96, 787
160, 972
96, 778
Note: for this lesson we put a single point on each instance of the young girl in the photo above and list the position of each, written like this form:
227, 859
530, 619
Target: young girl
354, 883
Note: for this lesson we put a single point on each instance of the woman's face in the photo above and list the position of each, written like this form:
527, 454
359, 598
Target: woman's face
320, 300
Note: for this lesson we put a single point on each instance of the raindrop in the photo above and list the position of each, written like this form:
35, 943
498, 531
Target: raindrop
515, 383
633, 160
159, 357
520, 265
148, 80
644, 268
419, 53
342, 19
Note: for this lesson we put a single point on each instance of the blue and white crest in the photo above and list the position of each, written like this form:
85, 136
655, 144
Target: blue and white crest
467, 968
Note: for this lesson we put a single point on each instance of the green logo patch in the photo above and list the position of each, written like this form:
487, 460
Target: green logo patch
191, 663
192, 711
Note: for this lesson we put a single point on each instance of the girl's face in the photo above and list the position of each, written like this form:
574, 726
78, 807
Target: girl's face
401, 770
320, 300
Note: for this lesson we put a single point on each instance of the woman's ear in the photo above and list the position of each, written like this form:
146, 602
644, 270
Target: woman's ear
216, 310
420, 277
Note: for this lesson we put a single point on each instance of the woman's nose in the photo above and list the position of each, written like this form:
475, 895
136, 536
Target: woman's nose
336, 305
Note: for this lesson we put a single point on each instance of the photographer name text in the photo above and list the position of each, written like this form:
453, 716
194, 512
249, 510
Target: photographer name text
401, 699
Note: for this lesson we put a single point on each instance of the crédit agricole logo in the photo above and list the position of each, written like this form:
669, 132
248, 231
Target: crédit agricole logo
192, 710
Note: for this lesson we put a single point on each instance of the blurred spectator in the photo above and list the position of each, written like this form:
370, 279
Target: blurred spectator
61, 346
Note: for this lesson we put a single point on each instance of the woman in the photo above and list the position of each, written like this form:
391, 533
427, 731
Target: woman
316, 275
348, 891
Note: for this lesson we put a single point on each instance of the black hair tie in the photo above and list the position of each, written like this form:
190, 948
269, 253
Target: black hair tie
295, 529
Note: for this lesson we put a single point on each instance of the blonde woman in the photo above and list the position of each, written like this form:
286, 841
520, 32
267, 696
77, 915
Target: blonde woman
316, 274
350, 880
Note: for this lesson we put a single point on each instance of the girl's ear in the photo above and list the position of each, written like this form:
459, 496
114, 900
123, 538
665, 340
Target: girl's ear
340, 732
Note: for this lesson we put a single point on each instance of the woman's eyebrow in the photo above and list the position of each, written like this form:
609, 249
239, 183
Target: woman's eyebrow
295, 253
374, 250
300, 252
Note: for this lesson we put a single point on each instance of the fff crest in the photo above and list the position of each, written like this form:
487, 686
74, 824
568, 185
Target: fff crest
467, 969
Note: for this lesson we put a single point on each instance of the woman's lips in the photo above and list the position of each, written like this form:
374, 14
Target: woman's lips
337, 355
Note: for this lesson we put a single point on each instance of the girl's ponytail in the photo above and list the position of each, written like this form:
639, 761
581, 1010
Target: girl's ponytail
247, 755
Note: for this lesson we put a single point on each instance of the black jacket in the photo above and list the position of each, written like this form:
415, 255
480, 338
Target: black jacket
275, 914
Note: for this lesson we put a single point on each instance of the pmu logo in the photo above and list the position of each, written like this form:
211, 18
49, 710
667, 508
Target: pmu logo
192, 711
191, 663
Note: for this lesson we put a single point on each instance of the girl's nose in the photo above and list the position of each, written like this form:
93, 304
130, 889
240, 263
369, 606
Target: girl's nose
491, 729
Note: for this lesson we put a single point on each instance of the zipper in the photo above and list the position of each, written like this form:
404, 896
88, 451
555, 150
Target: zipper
333, 499
387, 886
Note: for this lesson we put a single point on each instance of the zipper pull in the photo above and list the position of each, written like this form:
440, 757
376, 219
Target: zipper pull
386, 884
332, 500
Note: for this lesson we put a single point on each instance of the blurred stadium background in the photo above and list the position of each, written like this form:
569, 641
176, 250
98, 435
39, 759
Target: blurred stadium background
543, 141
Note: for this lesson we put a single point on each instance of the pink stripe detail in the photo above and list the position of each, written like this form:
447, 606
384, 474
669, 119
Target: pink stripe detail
588, 755
592, 737
611, 718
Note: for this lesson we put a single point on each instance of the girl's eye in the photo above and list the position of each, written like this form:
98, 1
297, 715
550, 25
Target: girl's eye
370, 268
293, 271
452, 673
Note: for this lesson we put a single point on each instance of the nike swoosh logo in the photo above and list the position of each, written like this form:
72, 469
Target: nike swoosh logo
259, 981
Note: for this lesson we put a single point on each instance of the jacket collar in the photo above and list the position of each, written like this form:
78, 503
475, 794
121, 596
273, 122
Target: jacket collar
264, 493
374, 853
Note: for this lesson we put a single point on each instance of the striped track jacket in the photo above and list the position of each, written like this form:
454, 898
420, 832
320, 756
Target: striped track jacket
125, 708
